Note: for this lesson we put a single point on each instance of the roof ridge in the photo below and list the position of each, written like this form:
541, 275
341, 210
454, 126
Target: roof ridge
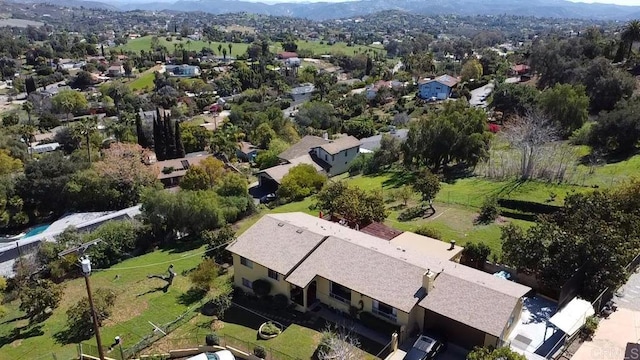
480, 283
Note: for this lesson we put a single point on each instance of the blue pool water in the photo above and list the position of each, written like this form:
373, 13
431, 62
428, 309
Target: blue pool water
36, 230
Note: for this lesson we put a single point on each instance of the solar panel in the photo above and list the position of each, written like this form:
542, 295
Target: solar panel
185, 164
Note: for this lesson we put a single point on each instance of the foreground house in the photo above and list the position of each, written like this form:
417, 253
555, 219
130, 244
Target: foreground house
332, 157
315, 262
439, 88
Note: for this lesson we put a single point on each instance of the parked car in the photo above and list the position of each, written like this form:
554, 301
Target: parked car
218, 355
268, 198
425, 348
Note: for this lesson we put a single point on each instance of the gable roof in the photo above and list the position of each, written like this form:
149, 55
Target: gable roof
279, 171
340, 144
302, 147
180, 165
481, 307
447, 80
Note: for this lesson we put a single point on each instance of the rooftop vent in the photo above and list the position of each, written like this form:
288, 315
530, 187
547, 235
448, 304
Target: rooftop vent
281, 224
453, 245
299, 231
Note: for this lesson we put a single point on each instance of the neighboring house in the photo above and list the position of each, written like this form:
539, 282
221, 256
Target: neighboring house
302, 93
372, 90
315, 262
247, 151
115, 70
287, 55
43, 148
172, 171
183, 70
520, 69
292, 62
372, 143
335, 157
439, 88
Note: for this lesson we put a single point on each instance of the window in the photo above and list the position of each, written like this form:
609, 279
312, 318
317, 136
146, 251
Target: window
246, 262
333, 158
326, 158
346, 153
247, 283
273, 274
340, 293
384, 310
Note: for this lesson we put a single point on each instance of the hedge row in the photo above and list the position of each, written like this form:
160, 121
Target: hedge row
528, 206
377, 324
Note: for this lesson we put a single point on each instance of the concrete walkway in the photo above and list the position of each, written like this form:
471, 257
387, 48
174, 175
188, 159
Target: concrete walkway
353, 326
611, 337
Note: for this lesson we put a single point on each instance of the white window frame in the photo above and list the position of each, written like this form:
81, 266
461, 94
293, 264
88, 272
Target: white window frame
376, 311
276, 275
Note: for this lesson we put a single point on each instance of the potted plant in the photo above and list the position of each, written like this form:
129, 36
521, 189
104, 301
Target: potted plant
269, 330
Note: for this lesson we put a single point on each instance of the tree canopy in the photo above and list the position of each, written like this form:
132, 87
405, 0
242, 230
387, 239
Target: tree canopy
352, 203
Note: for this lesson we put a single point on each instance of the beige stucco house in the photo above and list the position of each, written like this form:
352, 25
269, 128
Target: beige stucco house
314, 261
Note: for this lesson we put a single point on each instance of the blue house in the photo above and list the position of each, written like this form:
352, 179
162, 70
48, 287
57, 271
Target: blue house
437, 89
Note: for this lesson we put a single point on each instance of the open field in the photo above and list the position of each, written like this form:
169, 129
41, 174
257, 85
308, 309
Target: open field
142, 82
144, 43
139, 300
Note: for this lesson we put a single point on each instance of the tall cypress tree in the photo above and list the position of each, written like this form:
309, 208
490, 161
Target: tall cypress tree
170, 139
142, 140
179, 145
158, 139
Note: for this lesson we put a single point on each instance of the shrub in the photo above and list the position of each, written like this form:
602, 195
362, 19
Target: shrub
411, 213
590, 327
582, 135
218, 305
204, 274
489, 211
475, 254
260, 352
261, 287
270, 329
429, 232
280, 301
167, 170
212, 340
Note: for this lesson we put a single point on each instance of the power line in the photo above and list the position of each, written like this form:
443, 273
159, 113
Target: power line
167, 261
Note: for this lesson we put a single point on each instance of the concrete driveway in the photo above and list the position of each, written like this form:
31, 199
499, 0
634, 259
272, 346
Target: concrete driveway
453, 352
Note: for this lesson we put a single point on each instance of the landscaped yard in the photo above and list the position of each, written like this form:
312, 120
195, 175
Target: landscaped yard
139, 300
144, 81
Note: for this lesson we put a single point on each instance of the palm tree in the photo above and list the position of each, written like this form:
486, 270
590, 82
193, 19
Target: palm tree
189, 44
224, 54
230, 46
219, 49
631, 34
84, 129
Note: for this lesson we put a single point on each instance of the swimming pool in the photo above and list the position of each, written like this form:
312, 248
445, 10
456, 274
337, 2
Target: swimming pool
36, 230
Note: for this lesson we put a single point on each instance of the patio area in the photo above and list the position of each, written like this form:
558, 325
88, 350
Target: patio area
535, 336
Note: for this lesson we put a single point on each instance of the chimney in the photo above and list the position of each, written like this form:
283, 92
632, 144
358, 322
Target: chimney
453, 245
427, 280
325, 136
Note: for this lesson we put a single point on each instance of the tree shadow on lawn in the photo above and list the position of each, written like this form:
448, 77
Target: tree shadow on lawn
186, 244
191, 296
24, 317
19, 333
71, 336
398, 179
598, 159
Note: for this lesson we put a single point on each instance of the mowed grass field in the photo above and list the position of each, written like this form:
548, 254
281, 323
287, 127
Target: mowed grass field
139, 300
318, 48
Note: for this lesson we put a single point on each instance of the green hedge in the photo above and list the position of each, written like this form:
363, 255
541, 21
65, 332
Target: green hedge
528, 206
377, 324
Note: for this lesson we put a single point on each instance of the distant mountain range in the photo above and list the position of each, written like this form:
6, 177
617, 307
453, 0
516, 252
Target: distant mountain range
323, 11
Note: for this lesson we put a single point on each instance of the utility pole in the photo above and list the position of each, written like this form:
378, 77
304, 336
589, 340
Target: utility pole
85, 264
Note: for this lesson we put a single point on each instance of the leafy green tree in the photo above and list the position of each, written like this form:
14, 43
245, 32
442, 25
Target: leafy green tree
36, 298
69, 102
195, 138
475, 254
301, 181
232, 184
606, 85
427, 184
514, 99
79, 318
204, 274
10, 119
618, 131
360, 128
458, 133
631, 34
217, 241
566, 105
119, 240
501, 353
196, 178
318, 115
8, 164
352, 203
263, 135
472, 69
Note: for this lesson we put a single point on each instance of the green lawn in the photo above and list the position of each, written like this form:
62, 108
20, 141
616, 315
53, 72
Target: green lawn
144, 81
144, 43
139, 301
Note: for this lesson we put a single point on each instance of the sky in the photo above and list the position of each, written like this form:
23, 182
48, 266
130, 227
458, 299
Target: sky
619, 2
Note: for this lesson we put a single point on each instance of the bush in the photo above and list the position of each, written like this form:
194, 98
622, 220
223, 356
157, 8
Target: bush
489, 211
260, 352
218, 305
204, 274
280, 301
270, 329
261, 287
377, 324
429, 232
411, 213
590, 327
475, 254
212, 340
582, 135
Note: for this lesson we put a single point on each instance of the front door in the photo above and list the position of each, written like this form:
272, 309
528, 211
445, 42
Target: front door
311, 294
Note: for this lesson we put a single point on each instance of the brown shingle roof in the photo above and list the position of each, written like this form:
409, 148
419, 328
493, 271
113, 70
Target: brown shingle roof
343, 143
302, 147
279, 171
179, 168
467, 302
